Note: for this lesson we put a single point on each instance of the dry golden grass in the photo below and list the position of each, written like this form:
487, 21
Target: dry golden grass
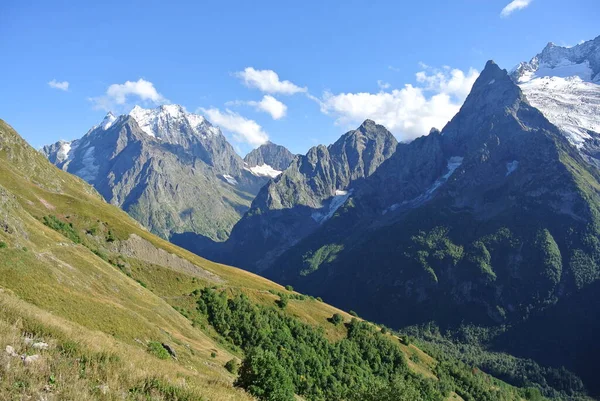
81, 364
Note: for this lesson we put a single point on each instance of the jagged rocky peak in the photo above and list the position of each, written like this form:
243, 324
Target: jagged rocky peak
268, 159
492, 91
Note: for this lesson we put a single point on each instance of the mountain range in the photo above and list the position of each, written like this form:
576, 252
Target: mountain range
171, 170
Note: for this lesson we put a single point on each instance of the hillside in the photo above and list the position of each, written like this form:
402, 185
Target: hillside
99, 308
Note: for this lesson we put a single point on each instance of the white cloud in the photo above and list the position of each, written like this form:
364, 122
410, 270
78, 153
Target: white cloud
118, 95
451, 81
267, 81
63, 86
270, 105
513, 6
243, 129
408, 112
382, 85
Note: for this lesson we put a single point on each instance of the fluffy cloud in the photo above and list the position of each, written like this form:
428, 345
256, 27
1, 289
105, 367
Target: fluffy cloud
408, 112
63, 86
513, 6
270, 105
267, 81
243, 129
118, 95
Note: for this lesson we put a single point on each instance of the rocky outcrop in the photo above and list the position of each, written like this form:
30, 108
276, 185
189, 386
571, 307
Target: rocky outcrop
276, 156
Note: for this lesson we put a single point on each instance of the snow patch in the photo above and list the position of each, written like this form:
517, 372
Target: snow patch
511, 167
263, 170
327, 212
492, 82
231, 180
63, 152
90, 169
572, 104
108, 121
561, 69
453, 163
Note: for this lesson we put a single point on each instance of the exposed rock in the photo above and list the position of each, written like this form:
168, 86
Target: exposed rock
40, 345
141, 249
276, 156
30, 359
10, 351
170, 350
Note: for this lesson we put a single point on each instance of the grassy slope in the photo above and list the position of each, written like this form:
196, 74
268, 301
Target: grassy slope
61, 292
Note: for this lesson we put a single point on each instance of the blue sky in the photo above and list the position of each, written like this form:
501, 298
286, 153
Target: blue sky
230, 60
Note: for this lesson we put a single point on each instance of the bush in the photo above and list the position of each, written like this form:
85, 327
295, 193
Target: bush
232, 366
406, 340
336, 319
157, 349
110, 236
289, 288
319, 299
353, 313
283, 301
3, 244
65, 229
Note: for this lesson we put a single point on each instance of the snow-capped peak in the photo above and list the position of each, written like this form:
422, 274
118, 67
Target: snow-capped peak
564, 84
163, 121
108, 121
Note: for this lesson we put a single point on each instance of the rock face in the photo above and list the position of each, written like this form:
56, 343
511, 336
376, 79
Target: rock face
171, 170
275, 156
564, 84
304, 196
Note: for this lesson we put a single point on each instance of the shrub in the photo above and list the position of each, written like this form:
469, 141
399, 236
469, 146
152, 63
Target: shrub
336, 319
232, 366
406, 340
319, 299
283, 301
213, 354
3, 244
353, 313
157, 349
65, 229
289, 288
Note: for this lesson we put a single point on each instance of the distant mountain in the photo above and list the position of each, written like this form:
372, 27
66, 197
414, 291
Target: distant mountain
171, 170
564, 84
303, 197
269, 159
